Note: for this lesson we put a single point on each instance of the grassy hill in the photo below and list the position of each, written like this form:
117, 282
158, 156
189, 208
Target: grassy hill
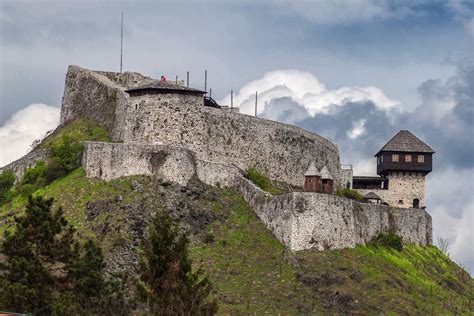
251, 271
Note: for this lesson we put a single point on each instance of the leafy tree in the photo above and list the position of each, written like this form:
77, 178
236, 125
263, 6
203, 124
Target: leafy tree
167, 282
46, 271
7, 179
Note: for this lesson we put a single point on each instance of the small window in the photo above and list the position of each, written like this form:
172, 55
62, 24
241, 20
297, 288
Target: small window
381, 158
421, 158
400, 202
407, 158
395, 158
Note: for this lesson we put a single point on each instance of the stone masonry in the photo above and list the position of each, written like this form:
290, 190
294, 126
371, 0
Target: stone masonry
174, 137
404, 187
300, 220
282, 151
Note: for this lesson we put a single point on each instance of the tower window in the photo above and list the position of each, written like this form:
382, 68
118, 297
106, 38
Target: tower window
395, 158
407, 158
421, 158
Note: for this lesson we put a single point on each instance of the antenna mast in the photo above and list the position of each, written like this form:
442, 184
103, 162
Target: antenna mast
121, 43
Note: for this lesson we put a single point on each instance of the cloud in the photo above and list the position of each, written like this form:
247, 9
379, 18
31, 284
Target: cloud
362, 120
350, 11
451, 204
306, 90
24, 127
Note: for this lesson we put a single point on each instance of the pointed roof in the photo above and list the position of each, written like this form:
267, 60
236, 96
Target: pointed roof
312, 171
405, 141
325, 174
372, 196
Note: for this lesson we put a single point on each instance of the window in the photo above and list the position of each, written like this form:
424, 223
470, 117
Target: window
395, 158
381, 158
421, 158
416, 203
400, 202
407, 158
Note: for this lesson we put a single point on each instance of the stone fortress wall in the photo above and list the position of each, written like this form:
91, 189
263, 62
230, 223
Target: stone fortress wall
300, 220
176, 138
282, 151
403, 188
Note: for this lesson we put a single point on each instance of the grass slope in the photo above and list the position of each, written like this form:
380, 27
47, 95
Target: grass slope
251, 271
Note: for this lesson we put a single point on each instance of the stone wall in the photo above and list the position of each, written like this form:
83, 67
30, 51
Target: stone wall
402, 186
304, 220
29, 160
282, 151
300, 220
345, 177
108, 161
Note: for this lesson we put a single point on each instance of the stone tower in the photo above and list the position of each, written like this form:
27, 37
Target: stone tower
405, 160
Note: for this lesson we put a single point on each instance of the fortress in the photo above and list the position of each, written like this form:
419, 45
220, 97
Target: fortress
164, 129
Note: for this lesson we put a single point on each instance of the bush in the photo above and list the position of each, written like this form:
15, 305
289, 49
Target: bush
66, 153
350, 194
7, 179
262, 181
258, 178
35, 175
65, 157
388, 240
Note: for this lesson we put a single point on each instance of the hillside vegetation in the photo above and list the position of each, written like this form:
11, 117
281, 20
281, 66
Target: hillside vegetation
250, 270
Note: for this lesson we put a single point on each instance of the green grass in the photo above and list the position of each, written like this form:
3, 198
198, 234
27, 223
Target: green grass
263, 182
78, 130
252, 272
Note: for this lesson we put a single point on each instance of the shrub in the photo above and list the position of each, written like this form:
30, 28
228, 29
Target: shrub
258, 178
35, 175
66, 153
7, 179
388, 240
350, 194
262, 181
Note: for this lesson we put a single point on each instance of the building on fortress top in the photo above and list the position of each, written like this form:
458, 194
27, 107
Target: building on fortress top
163, 87
402, 164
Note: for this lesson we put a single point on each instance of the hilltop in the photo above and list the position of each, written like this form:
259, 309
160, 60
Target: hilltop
130, 146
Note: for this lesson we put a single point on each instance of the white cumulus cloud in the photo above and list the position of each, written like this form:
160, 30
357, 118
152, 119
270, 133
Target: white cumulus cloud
305, 89
24, 127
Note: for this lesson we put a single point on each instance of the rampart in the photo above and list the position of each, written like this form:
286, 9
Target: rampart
282, 151
29, 160
300, 220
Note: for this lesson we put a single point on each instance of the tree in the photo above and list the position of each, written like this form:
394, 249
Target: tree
7, 179
45, 270
167, 282
443, 245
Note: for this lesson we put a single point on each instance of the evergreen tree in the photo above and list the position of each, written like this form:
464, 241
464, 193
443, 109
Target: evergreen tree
167, 282
44, 270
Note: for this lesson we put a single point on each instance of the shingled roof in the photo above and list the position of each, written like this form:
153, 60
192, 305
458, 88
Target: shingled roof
165, 86
405, 141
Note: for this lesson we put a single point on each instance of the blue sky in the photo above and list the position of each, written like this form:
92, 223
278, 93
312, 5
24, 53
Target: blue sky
353, 71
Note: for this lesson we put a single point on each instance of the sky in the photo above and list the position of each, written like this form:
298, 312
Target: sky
355, 72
